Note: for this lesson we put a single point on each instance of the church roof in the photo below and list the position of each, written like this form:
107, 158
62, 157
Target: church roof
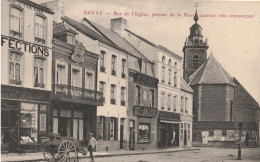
211, 72
185, 87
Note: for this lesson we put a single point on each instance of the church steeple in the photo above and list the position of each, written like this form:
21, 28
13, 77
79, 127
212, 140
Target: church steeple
195, 48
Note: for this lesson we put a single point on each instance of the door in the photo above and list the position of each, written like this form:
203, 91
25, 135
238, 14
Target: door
121, 136
9, 130
185, 137
132, 139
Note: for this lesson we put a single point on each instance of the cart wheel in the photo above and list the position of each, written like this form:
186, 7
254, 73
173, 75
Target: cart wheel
50, 155
67, 151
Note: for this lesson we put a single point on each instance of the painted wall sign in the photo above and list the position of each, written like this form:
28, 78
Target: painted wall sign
144, 111
23, 46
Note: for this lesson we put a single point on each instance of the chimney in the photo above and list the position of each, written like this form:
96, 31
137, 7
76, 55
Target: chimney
56, 6
118, 25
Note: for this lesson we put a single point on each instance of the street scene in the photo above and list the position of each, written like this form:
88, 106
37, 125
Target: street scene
129, 81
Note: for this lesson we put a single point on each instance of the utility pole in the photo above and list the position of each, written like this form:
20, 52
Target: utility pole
240, 139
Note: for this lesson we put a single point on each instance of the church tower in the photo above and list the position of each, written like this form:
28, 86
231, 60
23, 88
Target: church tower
195, 49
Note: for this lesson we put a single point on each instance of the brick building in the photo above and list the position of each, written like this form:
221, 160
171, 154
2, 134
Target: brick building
220, 102
26, 59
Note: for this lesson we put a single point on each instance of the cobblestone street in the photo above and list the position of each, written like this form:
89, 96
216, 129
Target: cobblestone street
202, 155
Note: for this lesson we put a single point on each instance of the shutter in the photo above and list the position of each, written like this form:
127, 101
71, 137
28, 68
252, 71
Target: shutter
108, 128
116, 129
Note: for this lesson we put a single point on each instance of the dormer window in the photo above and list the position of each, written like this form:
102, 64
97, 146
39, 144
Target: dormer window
71, 39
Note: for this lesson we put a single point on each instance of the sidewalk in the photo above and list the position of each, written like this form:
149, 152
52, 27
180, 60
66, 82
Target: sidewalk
39, 156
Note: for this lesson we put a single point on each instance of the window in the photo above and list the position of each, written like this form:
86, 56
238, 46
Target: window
182, 131
89, 81
174, 103
60, 74
71, 39
162, 100
102, 88
182, 104
102, 61
144, 132
169, 101
16, 22
195, 61
151, 98
137, 95
123, 96
144, 67
163, 69
186, 105
113, 65
175, 79
75, 78
189, 132
112, 95
169, 76
28, 123
39, 69
15, 68
123, 67
40, 29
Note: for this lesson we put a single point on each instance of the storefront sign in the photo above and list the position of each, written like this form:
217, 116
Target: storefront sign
169, 116
143, 79
144, 111
42, 122
23, 46
10, 92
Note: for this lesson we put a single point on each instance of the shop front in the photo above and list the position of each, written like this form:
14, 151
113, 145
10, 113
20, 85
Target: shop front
24, 118
169, 131
186, 130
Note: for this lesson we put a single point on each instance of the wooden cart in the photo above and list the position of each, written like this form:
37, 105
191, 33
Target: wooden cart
65, 149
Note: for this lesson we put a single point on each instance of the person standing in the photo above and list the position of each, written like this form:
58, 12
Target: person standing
91, 145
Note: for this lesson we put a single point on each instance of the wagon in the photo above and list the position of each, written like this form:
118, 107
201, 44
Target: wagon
58, 148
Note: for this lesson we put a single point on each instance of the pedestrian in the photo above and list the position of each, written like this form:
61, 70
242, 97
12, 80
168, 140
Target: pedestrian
91, 145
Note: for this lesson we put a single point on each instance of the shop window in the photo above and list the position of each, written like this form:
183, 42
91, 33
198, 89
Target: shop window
182, 132
137, 95
123, 68
123, 96
224, 133
113, 95
113, 65
102, 61
40, 29
78, 124
144, 132
15, 65
151, 98
39, 72
28, 123
16, 22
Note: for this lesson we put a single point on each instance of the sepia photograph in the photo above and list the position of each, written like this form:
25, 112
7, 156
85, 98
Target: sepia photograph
130, 81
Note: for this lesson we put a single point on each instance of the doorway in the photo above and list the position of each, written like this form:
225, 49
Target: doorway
185, 137
132, 135
9, 130
121, 136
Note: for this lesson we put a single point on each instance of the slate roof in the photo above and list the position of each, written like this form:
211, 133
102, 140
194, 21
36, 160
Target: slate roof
87, 31
62, 27
117, 39
211, 72
185, 87
168, 51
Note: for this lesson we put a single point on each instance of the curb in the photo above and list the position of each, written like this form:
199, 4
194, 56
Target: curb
118, 154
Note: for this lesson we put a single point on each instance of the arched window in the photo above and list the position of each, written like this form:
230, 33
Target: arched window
163, 60
195, 61
170, 63
175, 66
163, 69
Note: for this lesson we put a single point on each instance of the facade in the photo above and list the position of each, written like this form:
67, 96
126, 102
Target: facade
74, 85
142, 89
174, 95
220, 103
26, 63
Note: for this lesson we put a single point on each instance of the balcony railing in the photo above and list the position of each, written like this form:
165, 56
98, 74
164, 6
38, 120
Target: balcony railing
66, 91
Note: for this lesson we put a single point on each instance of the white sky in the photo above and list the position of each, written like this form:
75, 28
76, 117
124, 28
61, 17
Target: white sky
235, 42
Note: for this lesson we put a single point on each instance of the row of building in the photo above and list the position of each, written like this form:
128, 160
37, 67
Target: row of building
70, 77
